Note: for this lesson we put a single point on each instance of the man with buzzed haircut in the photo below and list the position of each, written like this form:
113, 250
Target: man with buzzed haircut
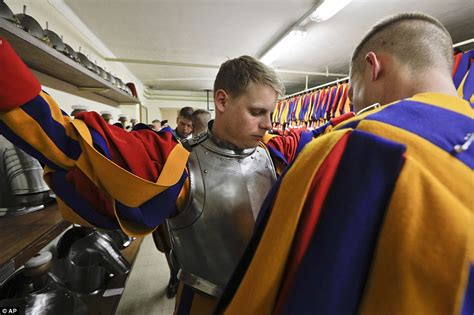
382, 209
200, 119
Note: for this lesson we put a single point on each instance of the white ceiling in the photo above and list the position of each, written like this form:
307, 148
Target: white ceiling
209, 32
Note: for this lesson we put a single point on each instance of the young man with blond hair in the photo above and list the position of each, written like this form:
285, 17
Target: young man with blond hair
208, 193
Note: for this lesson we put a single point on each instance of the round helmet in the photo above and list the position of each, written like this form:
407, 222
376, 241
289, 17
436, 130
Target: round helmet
30, 25
55, 41
102, 73
83, 60
7, 14
71, 53
110, 78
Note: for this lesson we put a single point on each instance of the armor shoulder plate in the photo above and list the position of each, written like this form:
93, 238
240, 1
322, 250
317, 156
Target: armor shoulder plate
191, 143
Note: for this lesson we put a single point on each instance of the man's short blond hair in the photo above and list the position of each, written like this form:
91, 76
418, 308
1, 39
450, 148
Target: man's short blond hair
235, 75
417, 40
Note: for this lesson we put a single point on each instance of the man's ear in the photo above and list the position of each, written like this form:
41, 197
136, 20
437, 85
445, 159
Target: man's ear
374, 64
221, 98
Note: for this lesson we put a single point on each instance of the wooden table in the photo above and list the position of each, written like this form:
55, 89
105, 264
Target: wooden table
25, 235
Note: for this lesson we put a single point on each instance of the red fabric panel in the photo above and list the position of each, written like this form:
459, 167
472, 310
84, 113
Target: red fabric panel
142, 152
17, 83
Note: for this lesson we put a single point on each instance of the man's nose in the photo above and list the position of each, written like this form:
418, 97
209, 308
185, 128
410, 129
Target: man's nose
266, 123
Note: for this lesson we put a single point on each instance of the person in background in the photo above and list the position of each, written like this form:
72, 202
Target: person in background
200, 119
119, 124
123, 120
156, 124
184, 124
164, 123
133, 121
107, 116
382, 207
76, 109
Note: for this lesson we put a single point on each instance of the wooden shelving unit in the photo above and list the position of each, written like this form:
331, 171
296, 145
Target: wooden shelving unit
24, 235
40, 57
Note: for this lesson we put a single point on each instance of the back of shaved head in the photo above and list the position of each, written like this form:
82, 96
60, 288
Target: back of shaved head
416, 40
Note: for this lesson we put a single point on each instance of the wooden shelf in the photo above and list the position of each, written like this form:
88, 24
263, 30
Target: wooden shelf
40, 57
24, 235
100, 305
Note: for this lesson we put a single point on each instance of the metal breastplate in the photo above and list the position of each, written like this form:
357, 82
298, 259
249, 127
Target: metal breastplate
227, 189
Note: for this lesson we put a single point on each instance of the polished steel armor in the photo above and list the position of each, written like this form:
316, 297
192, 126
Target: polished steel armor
227, 189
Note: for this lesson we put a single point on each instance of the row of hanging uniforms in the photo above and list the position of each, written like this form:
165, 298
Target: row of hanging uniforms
463, 74
313, 109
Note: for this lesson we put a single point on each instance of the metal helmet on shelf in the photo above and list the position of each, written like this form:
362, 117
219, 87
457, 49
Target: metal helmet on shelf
30, 25
83, 60
7, 14
71, 53
55, 41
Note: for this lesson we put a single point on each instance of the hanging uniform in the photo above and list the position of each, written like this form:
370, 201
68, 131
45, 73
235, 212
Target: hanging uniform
381, 223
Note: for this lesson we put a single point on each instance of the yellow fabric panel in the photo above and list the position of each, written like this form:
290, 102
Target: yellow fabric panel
257, 293
284, 114
298, 107
449, 102
267, 137
117, 181
421, 254
436, 159
24, 126
310, 107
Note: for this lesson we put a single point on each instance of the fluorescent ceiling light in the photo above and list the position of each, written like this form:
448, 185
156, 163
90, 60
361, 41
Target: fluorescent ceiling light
285, 44
328, 9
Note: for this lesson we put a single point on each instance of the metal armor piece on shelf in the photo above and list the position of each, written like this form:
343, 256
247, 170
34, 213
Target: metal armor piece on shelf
30, 25
119, 83
102, 72
22, 188
117, 237
71, 53
39, 295
89, 263
227, 189
111, 78
83, 60
7, 14
95, 68
69, 237
55, 41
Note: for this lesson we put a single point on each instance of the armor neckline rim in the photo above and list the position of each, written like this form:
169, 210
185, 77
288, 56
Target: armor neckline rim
220, 146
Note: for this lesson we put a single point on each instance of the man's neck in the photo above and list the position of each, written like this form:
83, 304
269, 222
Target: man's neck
429, 81
219, 131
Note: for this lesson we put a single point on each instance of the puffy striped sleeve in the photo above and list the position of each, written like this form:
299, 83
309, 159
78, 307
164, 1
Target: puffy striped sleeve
102, 175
